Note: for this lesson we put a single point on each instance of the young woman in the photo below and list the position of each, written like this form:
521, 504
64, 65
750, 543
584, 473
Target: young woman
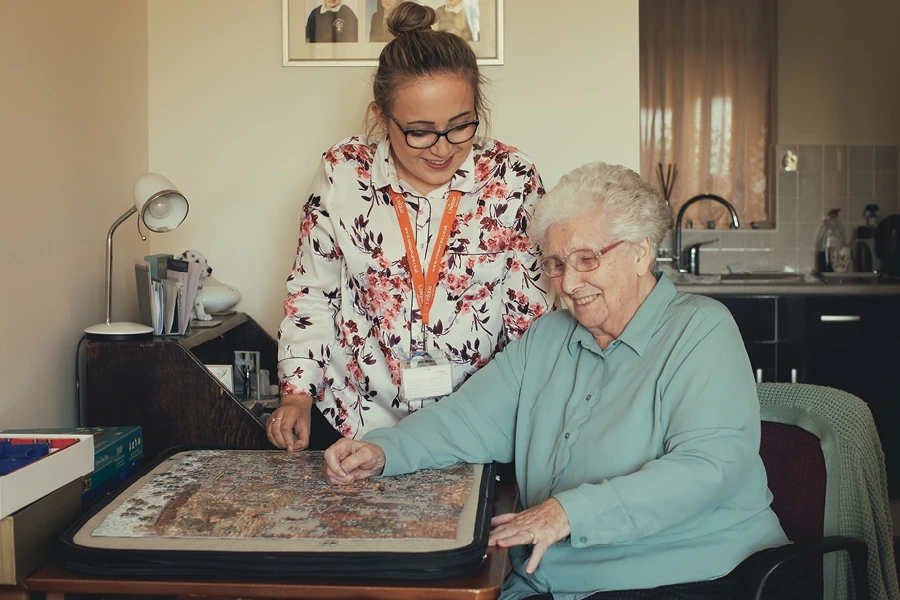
414, 266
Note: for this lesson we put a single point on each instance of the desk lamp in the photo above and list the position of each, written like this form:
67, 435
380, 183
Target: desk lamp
162, 208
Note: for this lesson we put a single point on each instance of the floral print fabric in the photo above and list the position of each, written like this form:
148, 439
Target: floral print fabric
351, 317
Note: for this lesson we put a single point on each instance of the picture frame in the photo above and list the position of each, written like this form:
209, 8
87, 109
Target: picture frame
353, 30
246, 374
225, 375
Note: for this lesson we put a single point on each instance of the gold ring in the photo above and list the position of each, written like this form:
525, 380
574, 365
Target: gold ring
532, 536
275, 418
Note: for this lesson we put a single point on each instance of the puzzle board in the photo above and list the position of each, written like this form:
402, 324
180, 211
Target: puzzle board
274, 501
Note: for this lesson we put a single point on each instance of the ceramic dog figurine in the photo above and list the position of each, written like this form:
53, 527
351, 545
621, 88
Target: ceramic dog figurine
199, 312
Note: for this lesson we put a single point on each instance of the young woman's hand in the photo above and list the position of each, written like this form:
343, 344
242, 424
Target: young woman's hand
349, 460
288, 426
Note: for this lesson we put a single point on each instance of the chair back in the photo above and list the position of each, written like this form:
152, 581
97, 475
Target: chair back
825, 469
795, 468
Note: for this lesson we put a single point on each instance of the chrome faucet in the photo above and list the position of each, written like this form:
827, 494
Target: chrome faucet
676, 244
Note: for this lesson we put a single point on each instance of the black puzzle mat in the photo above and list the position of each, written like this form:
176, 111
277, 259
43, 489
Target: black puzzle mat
256, 513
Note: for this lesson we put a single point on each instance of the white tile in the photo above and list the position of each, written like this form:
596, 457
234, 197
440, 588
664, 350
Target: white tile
759, 239
730, 260
861, 183
810, 158
886, 158
759, 261
886, 184
786, 211
730, 239
785, 236
806, 261
787, 184
834, 158
834, 184
709, 261
887, 206
811, 209
861, 158
810, 185
806, 236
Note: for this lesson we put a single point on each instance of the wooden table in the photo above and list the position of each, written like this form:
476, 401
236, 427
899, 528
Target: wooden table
483, 584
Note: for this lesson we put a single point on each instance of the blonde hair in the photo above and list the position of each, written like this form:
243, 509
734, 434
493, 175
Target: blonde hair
416, 51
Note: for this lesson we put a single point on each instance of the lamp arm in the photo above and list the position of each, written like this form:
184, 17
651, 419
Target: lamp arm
109, 259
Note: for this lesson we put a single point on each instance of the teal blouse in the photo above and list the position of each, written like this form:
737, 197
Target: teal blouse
651, 446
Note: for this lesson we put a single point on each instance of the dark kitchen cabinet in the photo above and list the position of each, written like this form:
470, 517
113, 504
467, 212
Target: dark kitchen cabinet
846, 342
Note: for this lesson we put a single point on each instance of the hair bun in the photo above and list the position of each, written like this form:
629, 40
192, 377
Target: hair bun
409, 17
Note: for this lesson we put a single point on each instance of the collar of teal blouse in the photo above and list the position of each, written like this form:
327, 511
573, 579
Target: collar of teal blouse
643, 324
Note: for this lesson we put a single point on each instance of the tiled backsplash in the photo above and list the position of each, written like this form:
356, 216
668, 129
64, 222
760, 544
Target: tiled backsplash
827, 176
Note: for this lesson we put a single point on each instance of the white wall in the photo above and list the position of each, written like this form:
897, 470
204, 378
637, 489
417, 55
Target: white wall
241, 135
838, 72
73, 139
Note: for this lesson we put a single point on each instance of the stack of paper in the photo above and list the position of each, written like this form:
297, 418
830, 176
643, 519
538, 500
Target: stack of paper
166, 304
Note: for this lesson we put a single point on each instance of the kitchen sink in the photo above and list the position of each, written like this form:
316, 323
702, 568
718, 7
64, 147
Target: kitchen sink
762, 277
755, 278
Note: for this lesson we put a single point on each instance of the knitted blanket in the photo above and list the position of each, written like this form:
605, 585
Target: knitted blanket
856, 497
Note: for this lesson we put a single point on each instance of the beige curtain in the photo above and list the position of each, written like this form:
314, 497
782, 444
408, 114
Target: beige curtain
707, 91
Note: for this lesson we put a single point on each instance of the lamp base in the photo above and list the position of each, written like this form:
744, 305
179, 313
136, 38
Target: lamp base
119, 332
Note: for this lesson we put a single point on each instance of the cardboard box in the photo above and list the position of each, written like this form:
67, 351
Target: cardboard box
28, 538
115, 448
28, 484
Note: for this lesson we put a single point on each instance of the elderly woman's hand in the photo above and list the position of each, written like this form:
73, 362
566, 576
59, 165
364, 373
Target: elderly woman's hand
349, 460
542, 526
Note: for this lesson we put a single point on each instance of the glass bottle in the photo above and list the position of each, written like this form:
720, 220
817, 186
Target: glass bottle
830, 239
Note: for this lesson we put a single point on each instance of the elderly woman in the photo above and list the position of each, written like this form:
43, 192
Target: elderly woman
632, 417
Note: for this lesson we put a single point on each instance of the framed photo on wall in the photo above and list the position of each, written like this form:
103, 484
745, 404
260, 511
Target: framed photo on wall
353, 32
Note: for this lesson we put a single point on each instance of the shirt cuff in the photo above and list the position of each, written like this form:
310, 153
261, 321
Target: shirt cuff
392, 463
300, 376
592, 509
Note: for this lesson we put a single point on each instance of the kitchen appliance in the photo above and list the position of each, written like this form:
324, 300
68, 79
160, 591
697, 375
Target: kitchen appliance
887, 245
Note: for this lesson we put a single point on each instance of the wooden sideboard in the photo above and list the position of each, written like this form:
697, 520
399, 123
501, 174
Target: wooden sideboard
163, 386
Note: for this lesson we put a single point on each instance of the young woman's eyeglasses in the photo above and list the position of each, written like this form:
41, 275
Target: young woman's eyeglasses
420, 139
580, 260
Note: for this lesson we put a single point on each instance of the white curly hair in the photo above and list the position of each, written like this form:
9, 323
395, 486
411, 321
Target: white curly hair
634, 208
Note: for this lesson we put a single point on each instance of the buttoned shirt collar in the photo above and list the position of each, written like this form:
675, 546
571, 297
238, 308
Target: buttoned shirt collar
384, 172
643, 324
324, 10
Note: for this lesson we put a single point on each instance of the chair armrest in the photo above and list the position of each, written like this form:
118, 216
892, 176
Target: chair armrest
776, 557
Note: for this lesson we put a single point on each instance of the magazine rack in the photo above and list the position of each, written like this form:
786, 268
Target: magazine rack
163, 386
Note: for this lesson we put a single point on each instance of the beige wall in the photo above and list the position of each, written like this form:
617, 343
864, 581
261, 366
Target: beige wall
73, 124
839, 72
241, 135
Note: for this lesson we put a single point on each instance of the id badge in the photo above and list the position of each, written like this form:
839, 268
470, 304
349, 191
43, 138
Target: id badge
425, 376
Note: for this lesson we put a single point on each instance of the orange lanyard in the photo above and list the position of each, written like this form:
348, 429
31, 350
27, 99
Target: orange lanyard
424, 286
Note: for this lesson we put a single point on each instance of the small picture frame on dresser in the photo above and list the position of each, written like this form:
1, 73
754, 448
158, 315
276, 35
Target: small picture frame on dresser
225, 375
246, 375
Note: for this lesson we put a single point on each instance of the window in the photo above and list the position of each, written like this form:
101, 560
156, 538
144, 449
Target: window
707, 102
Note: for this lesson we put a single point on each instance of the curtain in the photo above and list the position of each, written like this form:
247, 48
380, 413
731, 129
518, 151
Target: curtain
707, 103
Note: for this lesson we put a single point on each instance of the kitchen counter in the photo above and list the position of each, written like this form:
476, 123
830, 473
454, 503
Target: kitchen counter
785, 284
787, 289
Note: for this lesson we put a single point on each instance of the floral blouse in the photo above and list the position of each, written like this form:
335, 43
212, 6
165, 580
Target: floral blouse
351, 316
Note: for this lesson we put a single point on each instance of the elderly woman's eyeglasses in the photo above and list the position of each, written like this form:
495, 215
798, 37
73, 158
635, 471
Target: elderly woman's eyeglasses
421, 139
580, 260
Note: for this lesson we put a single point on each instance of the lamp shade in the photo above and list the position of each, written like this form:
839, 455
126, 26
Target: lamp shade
159, 203
162, 208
